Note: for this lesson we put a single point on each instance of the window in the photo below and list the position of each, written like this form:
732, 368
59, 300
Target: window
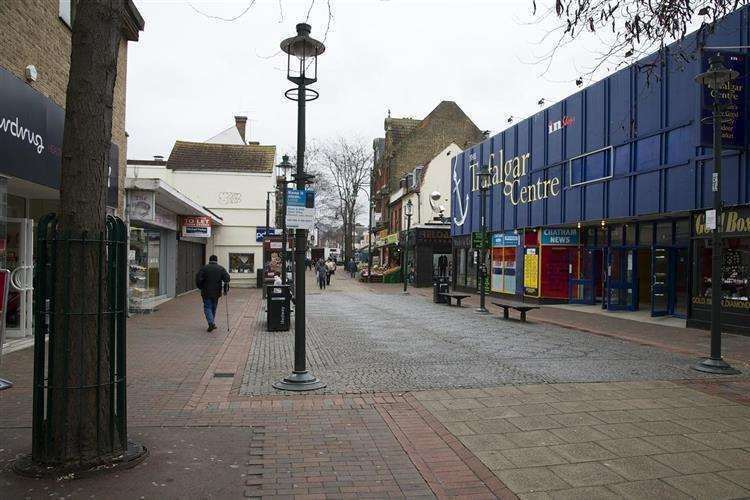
241, 263
590, 167
735, 267
66, 12
145, 249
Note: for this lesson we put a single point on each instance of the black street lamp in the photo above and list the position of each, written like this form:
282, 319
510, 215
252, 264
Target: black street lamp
715, 78
268, 228
302, 69
283, 167
405, 265
483, 179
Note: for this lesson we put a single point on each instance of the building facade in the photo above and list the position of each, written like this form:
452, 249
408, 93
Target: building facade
35, 45
408, 145
601, 198
231, 182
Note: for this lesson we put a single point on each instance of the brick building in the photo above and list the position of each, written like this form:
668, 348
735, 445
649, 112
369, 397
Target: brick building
35, 44
408, 144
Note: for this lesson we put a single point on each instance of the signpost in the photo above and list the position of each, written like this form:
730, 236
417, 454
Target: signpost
733, 96
300, 209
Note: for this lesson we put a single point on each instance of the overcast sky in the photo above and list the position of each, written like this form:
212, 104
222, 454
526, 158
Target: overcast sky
190, 74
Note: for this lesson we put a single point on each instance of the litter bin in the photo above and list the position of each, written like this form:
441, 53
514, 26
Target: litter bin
440, 284
277, 308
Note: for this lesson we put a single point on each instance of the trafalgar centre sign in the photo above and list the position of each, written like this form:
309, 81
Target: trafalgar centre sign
508, 174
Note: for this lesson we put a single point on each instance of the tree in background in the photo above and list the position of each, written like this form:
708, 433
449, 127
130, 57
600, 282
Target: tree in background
629, 29
346, 163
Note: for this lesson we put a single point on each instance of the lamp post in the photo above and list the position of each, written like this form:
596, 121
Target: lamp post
408, 212
715, 78
483, 180
283, 167
302, 69
268, 229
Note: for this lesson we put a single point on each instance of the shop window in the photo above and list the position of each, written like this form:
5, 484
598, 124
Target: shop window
461, 275
143, 273
682, 232
504, 270
241, 263
664, 233
471, 268
590, 167
615, 236
735, 267
630, 234
645, 234
16, 207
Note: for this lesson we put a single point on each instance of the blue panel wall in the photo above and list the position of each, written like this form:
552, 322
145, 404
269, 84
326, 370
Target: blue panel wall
645, 116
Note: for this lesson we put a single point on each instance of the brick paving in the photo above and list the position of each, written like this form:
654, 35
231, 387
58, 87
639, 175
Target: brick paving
373, 433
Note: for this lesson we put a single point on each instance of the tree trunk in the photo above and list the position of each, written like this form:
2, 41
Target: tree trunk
80, 418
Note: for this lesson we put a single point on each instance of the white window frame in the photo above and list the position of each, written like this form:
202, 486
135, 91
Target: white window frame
65, 11
598, 179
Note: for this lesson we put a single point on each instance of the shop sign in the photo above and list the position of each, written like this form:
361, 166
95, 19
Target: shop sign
531, 272
505, 240
560, 124
732, 222
260, 233
165, 218
196, 226
479, 240
141, 205
728, 303
560, 236
300, 209
508, 174
391, 239
732, 95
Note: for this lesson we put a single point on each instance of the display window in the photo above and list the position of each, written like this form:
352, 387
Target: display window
504, 270
241, 263
144, 258
735, 285
556, 268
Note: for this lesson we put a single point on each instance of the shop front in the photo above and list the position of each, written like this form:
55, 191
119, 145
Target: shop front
597, 200
429, 253
735, 265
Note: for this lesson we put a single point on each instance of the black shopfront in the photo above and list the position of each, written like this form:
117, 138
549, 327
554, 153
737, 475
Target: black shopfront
429, 253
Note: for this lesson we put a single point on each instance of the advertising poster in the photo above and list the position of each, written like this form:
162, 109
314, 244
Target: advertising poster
531, 272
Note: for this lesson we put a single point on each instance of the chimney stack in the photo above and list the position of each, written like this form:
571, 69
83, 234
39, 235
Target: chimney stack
241, 122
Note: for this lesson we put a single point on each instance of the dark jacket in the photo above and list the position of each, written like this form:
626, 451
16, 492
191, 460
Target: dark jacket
210, 278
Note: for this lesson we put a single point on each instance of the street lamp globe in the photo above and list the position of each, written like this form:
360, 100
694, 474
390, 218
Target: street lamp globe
284, 166
409, 208
483, 177
717, 75
305, 50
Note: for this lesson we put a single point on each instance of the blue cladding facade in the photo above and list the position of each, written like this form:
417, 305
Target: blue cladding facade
623, 148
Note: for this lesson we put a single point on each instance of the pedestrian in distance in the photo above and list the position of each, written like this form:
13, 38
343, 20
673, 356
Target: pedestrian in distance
322, 273
211, 280
352, 268
331, 267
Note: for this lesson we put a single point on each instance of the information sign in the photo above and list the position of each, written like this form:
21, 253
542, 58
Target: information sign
300, 209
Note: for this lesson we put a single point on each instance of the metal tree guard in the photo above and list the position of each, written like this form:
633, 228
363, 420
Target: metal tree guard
53, 451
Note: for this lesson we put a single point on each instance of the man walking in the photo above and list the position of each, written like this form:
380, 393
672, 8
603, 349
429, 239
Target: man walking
211, 279
321, 272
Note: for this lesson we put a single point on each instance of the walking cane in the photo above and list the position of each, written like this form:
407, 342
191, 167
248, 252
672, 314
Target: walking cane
226, 301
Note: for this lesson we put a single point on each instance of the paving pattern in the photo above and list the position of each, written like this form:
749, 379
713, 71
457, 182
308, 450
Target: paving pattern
603, 440
360, 341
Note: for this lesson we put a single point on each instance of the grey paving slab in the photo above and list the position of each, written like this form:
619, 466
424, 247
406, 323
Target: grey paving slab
586, 474
707, 486
648, 490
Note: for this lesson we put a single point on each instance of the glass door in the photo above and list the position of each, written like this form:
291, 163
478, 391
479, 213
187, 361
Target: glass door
581, 273
662, 297
621, 264
681, 268
19, 260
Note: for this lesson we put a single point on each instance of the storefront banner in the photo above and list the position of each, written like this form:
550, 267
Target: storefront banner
733, 221
391, 239
300, 209
141, 205
560, 236
531, 272
732, 96
505, 240
165, 218
196, 226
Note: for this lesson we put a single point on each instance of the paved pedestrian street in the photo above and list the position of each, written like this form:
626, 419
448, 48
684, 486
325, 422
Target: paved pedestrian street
423, 401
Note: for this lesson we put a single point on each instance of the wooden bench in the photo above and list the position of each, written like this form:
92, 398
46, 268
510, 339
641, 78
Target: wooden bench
521, 309
452, 295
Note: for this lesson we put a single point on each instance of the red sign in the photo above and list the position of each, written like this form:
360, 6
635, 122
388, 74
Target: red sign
196, 221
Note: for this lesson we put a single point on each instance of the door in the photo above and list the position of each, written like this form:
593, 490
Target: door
621, 273
680, 289
582, 283
19, 260
662, 297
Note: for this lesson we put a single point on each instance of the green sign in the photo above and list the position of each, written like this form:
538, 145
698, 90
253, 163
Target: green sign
478, 242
